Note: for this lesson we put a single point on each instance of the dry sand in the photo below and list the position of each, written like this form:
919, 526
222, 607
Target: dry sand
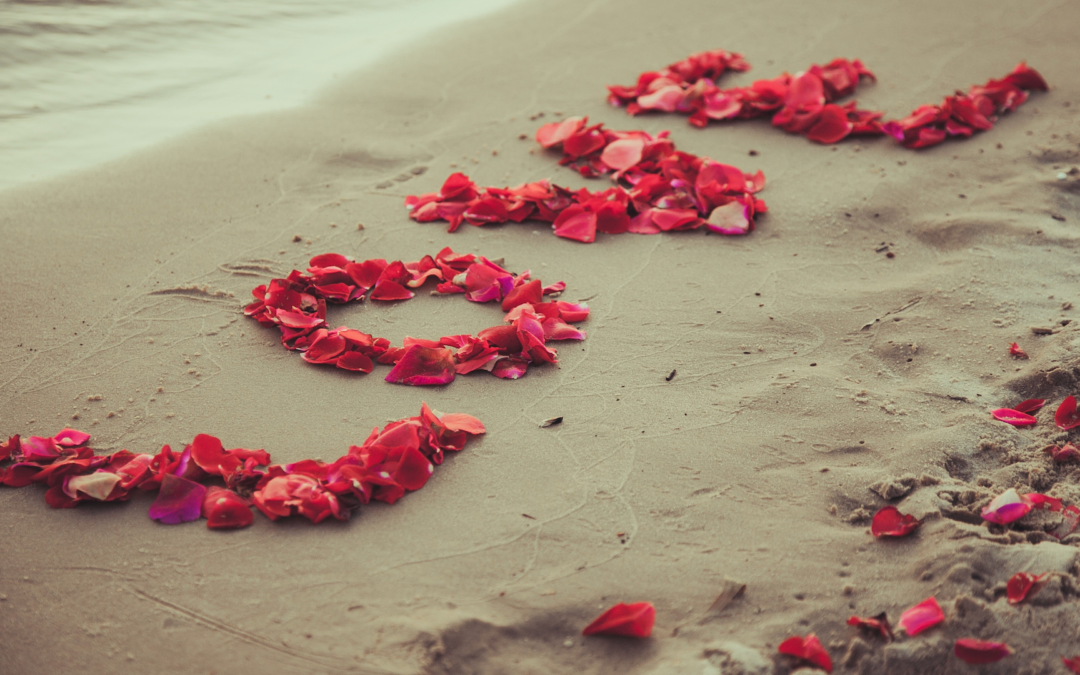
810, 368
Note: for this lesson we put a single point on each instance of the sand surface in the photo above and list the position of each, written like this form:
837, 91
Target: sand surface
810, 367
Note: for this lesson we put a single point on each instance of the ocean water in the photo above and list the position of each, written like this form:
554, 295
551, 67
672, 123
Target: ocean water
85, 81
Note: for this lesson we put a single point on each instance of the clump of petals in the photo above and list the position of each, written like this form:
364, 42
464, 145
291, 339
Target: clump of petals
631, 620
921, 617
807, 649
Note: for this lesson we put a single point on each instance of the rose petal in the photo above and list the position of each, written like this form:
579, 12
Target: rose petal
921, 617
71, 438
808, 649
632, 620
1006, 508
889, 522
1023, 585
1072, 664
1015, 350
226, 510
420, 366
1066, 416
976, 652
179, 501
1030, 406
1013, 417
877, 624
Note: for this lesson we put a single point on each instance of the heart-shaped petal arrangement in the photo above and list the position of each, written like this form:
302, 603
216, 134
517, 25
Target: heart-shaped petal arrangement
296, 305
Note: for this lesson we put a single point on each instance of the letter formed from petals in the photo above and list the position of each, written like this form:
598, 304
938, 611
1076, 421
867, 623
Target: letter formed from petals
631, 620
807, 649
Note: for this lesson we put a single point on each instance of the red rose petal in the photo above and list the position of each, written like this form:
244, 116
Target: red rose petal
1013, 417
921, 617
1072, 664
1023, 585
71, 438
889, 522
808, 649
226, 510
877, 624
1030, 406
832, 125
1066, 416
977, 652
421, 366
632, 620
180, 501
1015, 350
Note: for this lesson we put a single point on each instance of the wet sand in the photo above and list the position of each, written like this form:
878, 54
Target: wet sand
810, 367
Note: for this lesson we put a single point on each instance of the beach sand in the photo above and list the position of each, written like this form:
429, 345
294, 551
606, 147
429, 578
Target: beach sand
810, 367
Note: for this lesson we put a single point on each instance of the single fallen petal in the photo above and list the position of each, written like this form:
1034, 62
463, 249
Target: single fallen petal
1013, 417
632, 620
1007, 507
977, 652
808, 649
1066, 416
1015, 350
1072, 664
1030, 406
876, 624
71, 438
1023, 585
889, 522
179, 501
226, 510
550, 422
921, 617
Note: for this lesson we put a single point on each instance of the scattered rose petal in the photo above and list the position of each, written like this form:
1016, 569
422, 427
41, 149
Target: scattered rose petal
1072, 664
1030, 406
1023, 585
1015, 350
921, 617
1066, 453
1006, 508
807, 649
1066, 416
977, 652
1013, 417
179, 501
632, 620
876, 624
889, 522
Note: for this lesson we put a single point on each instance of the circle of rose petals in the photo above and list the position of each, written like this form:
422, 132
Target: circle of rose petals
399, 458
297, 304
